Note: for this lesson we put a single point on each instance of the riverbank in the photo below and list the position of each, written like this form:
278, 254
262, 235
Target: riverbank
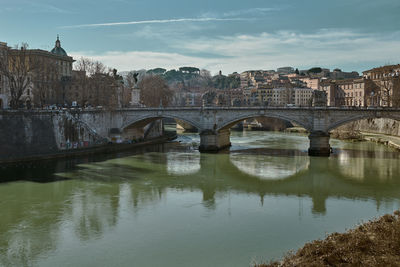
296, 130
357, 136
375, 243
109, 148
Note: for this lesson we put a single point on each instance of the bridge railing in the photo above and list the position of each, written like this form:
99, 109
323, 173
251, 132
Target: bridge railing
175, 108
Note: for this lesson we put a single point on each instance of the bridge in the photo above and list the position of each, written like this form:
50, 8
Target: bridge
214, 123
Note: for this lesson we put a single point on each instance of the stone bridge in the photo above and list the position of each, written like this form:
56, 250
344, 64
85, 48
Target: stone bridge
213, 123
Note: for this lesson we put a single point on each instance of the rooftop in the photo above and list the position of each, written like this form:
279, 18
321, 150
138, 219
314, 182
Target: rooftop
387, 68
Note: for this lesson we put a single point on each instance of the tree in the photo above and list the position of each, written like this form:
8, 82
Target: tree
315, 70
190, 70
91, 67
226, 82
396, 92
154, 91
18, 67
209, 98
206, 78
98, 85
157, 71
389, 92
297, 71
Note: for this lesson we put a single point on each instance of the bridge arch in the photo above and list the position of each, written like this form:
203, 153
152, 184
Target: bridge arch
144, 120
228, 124
359, 117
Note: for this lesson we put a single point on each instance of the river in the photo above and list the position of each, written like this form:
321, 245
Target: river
169, 205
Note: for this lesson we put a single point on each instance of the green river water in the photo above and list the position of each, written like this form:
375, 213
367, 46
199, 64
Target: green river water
169, 205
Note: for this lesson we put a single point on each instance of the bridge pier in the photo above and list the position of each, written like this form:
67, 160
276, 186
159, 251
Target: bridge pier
212, 141
319, 144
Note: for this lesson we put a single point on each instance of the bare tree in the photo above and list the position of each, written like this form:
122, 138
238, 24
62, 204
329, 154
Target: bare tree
155, 91
206, 79
98, 84
91, 67
386, 91
396, 92
18, 68
389, 92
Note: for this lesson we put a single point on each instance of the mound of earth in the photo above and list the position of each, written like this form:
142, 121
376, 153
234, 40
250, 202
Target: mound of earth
375, 243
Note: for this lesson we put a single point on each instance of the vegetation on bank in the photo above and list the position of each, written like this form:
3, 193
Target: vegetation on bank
352, 135
375, 243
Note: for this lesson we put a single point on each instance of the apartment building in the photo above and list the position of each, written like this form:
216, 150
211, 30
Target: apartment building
302, 97
387, 79
312, 83
42, 75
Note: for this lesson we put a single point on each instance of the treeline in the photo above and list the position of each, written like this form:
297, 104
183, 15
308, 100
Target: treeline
194, 77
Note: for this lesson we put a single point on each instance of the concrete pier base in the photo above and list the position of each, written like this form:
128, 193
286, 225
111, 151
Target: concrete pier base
319, 144
211, 141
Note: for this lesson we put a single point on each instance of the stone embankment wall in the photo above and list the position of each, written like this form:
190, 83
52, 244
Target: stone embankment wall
378, 126
25, 135
28, 135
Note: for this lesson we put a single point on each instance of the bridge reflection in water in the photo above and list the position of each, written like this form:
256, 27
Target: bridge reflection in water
347, 174
92, 200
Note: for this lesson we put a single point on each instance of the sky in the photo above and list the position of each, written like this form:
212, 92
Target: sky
226, 35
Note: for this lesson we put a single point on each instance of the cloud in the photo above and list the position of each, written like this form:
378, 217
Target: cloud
156, 21
326, 48
144, 59
250, 11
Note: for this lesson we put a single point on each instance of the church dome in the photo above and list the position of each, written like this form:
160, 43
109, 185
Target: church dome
58, 50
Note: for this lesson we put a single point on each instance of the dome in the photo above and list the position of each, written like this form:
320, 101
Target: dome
58, 50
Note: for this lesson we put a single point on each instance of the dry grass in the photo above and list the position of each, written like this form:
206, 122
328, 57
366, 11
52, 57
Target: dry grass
347, 135
375, 243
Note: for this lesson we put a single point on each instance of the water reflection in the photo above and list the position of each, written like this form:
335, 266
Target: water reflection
270, 164
361, 165
152, 174
183, 163
86, 203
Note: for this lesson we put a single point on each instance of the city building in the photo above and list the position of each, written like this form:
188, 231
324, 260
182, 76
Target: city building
334, 96
285, 70
319, 98
382, 72
312, 83
35, 77
338, 74
280, 97
236, 97
387, 79
350, 92
302, 97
